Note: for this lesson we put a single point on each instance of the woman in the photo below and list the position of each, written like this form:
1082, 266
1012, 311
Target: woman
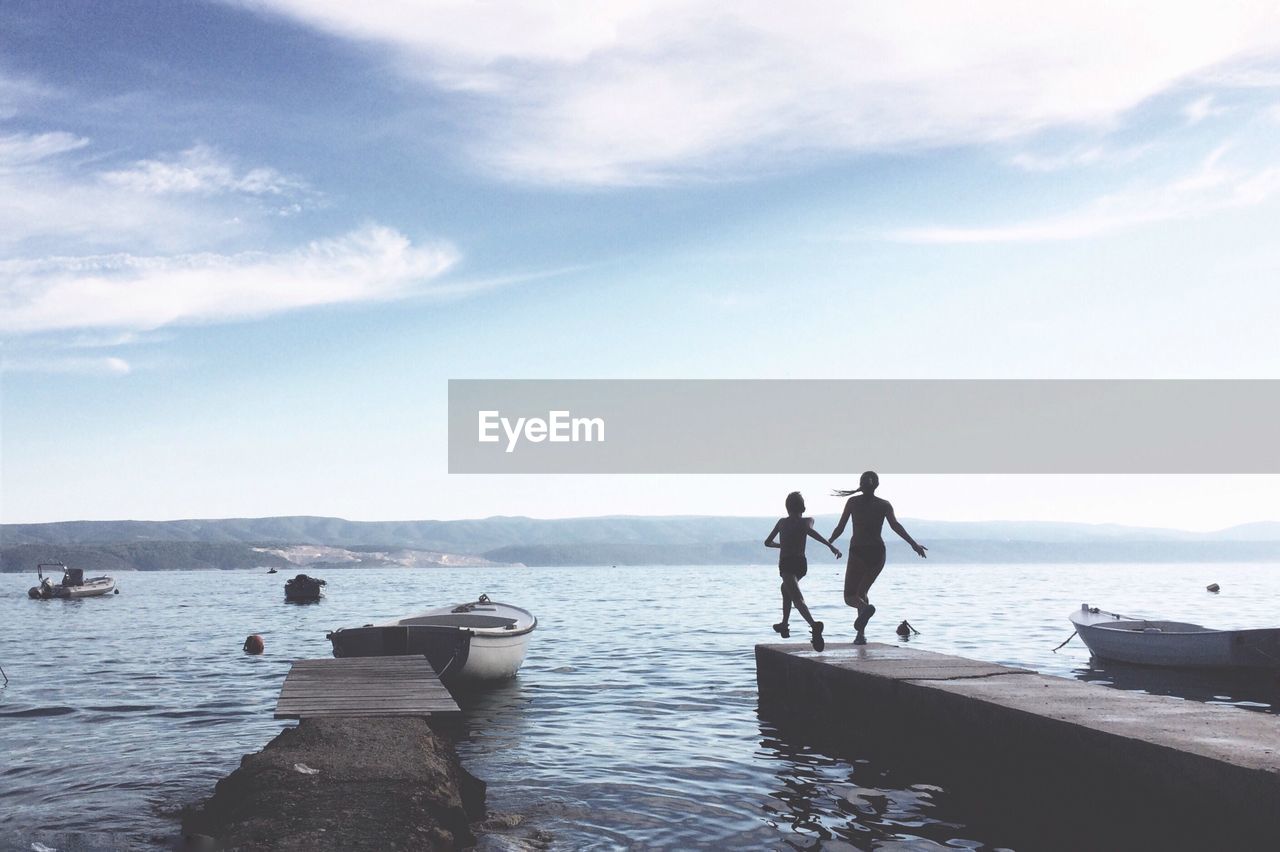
866, 549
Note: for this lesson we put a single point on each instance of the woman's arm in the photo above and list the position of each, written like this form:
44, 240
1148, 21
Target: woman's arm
815, 534
769, 542
900, 530
844, 519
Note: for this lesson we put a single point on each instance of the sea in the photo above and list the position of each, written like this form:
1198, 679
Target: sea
633, 724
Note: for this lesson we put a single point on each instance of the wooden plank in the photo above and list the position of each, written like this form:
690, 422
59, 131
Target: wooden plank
369, 685
385, 693
363, 686
424, 706
356, 699
406, 678
311, 714
363, 662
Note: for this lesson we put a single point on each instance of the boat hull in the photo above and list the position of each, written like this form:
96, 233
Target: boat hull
458, 652
96, 587
1175, 644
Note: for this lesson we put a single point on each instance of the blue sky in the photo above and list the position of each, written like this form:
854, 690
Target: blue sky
244, 245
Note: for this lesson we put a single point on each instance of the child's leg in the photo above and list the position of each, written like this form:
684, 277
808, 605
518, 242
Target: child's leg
786, 603
792, 595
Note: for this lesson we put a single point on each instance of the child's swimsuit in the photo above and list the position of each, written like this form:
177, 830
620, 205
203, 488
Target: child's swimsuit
792, 532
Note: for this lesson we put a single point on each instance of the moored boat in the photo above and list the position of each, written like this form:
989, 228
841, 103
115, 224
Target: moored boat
302, 589
1178, 644
72, 585
481, 640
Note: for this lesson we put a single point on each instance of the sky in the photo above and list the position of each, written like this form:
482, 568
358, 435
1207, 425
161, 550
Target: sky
244, 245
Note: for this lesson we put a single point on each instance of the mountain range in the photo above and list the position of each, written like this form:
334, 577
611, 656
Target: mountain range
285, 542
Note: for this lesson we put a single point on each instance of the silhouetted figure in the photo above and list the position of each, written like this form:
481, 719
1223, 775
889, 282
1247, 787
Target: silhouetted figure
795, 530
866, 549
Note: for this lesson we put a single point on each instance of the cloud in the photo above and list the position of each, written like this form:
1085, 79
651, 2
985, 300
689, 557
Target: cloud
645, 92
1080, 157
19, 93
93, 366
1212, 187
166, 204
1201, 108
19, 150
130, 292
49, 195
204, 171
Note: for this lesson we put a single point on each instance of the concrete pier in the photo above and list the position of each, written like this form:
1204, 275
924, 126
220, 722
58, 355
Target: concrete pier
1064, 763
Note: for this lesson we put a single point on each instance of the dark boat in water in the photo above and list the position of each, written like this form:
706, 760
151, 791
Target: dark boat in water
302, 589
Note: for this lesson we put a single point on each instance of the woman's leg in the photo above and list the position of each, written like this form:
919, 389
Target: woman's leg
791, 594
854, 573
867, 578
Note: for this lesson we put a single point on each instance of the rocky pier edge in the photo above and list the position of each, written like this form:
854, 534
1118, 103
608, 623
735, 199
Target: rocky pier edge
344, 783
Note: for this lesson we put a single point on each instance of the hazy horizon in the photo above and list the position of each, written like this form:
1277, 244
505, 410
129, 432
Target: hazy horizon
650, 516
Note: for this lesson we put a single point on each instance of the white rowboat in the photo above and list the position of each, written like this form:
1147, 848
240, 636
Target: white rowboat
482, 640
1174, 643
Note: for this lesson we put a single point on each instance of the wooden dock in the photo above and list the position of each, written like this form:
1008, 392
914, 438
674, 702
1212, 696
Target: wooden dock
363, 686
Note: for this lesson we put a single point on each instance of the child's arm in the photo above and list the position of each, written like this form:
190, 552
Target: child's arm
817, 535
769, 542
900, 530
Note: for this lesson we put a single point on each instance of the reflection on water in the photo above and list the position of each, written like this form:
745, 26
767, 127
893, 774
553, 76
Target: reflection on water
633, 722
824, 802
1252, 689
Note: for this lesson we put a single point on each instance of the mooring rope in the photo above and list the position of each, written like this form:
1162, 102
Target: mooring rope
1069, 638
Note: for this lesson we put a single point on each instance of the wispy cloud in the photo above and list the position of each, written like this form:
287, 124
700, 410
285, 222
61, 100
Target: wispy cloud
48, 194
1077, 157
19, 93
108, 365
647, 92
124, 291
203, 170
18, 150
1212, 187
1201, 108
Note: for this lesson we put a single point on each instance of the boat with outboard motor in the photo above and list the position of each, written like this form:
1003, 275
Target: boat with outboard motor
1174, 643
482, 640
72, 585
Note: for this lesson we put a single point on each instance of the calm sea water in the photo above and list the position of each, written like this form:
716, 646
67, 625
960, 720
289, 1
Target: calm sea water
633, 722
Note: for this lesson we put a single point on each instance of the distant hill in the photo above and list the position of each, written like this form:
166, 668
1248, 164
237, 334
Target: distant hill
613, 540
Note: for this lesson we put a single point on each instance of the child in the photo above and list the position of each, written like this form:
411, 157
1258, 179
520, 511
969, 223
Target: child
794, 530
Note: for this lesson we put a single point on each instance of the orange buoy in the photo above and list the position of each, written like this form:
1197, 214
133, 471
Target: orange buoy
254, 645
